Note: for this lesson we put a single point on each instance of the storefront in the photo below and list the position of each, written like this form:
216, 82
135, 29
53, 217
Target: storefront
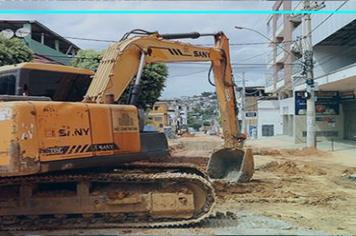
348, 101
329, 121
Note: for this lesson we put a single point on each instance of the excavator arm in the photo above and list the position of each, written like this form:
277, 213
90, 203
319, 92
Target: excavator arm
123, 63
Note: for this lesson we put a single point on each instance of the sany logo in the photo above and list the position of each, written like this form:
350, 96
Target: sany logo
76, 132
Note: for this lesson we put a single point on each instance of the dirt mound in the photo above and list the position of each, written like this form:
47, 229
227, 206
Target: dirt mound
302, 152
291, 168
287, 152
349, 171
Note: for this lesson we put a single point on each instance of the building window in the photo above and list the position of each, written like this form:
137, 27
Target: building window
267, 130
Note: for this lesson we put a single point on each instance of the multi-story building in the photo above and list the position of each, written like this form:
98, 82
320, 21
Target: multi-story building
47, 45
158, 116
281, 29
334, 41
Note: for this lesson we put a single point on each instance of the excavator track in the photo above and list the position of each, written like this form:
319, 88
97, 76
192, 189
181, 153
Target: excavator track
140, 196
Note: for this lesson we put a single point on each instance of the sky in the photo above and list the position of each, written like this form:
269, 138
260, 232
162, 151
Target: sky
184, 79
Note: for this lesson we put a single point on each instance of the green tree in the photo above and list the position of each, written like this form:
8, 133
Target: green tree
206, 123
206, 94
196, 126
88, 59
13, 51
152, 82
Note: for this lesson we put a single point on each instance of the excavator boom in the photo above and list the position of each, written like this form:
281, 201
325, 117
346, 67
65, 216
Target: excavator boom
123, 63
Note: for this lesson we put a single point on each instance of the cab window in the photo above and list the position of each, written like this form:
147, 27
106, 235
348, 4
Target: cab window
7, 84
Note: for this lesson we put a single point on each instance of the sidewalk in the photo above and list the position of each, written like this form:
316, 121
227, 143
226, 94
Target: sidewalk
342, 151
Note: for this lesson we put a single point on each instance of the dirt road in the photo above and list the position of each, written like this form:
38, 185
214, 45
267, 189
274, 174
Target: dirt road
308, 188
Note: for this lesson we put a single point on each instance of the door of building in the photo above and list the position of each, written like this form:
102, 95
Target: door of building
267, 130
350, 120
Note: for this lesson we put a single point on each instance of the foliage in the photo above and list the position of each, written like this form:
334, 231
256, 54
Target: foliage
206, 123
206, 94
196, 126
152, 84
194, 120
13, 51
88, 59
152, 81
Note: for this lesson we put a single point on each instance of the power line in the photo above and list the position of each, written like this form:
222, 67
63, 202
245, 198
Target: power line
255, 56
328, 17
178, 63
89, 39
192, 73
208, 44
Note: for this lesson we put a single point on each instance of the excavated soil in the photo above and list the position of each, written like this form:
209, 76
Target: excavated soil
301, 186
291, 168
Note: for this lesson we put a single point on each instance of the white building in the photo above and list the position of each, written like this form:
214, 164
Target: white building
334, 46
269, 121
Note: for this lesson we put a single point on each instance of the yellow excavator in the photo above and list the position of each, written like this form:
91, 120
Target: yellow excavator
90, 164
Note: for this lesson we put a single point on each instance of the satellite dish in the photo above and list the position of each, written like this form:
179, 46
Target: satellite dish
23, 32
7, 33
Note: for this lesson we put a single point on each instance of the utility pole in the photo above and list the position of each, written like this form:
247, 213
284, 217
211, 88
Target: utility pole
243, 104
308, 67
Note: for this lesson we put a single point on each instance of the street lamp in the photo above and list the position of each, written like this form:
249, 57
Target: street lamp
264, 36
307, 67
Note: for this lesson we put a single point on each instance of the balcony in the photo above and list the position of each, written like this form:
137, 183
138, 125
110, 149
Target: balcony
270, 57
296, 19
279, 26
269, 84
297, 32
279, 53
280, 75
280, 84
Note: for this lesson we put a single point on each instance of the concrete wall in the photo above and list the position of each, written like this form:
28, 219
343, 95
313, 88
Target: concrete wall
268, 114
286, 106
286, 110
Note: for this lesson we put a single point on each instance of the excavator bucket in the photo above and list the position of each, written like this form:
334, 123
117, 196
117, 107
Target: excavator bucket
232, 165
